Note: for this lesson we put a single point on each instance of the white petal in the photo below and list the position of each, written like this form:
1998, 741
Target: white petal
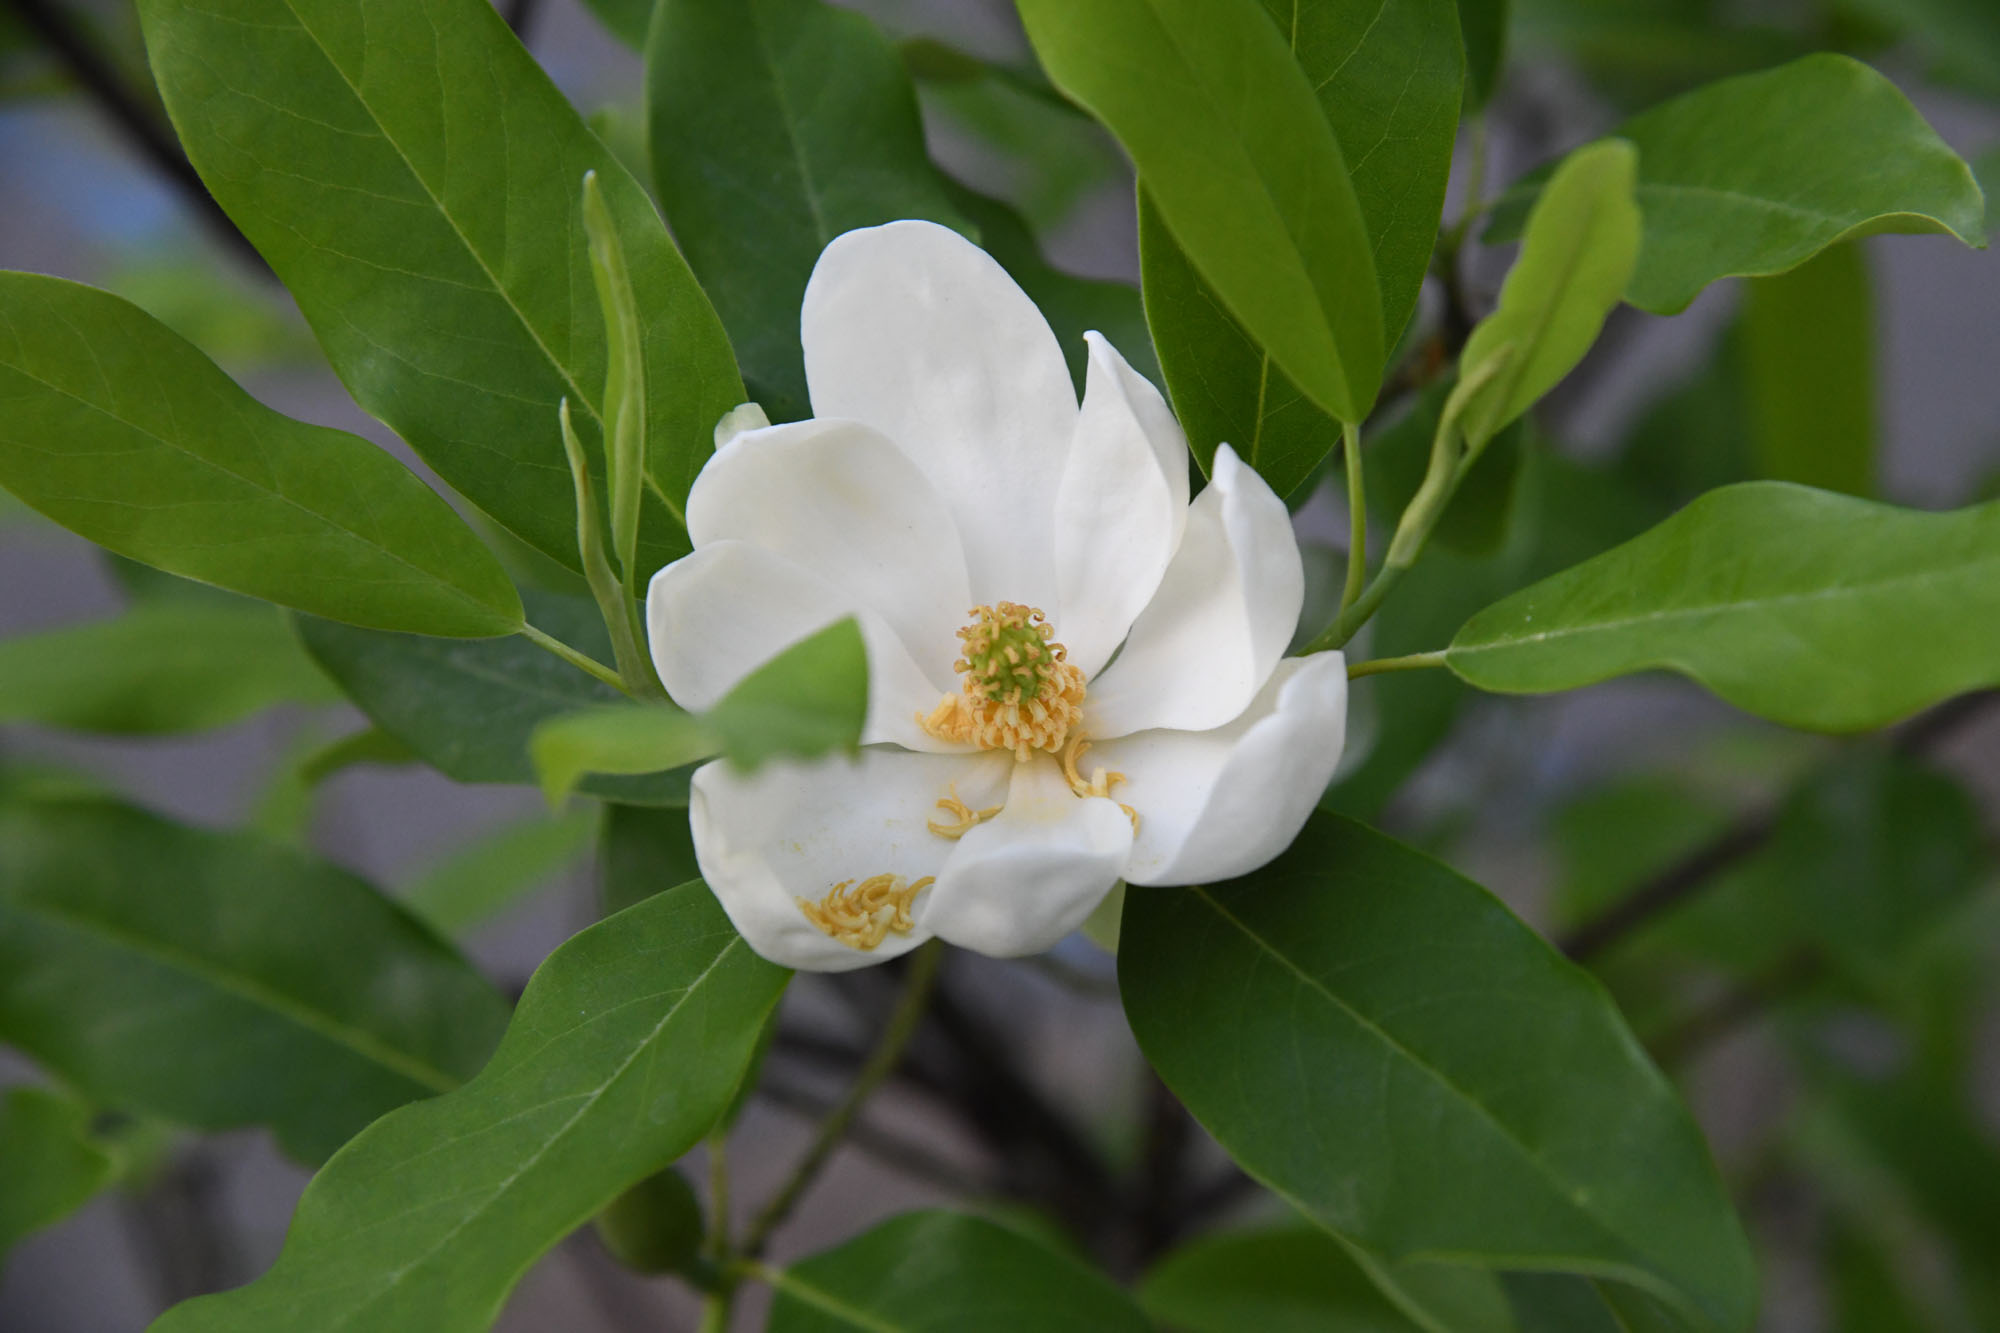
717, 615
791, 831
1217, 804
1225, 610
912, 329
837, 498
1024, 879
1121, 508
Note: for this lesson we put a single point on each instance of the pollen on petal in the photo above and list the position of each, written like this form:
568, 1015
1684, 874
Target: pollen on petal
862, 915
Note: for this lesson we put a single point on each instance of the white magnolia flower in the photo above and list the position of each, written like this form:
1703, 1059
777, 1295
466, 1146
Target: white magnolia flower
1074, 673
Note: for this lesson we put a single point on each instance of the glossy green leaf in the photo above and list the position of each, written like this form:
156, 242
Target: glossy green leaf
118, 429
468, 709
1809, 346
156, 669
472, 883
1756, 174
627, 1044
1807, 608
1577, 254
220, 980
49, 1166
621, 739
1509, 1120
940, 1272
776, 126
413, 176
1234, 150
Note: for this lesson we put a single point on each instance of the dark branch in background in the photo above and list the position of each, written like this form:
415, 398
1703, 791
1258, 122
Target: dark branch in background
1688, 876
1735, 1007
96, 76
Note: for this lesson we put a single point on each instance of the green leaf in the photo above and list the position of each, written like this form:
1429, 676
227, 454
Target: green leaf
809, 699
656, 1226
1815, 610
1484, 25
164, 668
413, 177
1809, 344
118, 429
776, 126
49, 1166
1295, 1280
1476, 520
643, 851
1697, 435
622, 739
627, 1044
1508, 1119
491, 872
1245, 171
1755, 174
468, 709
626, 19
1577, 254
939, 1272
219, 980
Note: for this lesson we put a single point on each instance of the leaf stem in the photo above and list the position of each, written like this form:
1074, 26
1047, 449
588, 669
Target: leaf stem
1382, 665
718, 1196
1357, 516
882, 1062
581, 661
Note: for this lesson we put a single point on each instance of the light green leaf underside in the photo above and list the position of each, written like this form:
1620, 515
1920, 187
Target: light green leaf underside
1496, 1123
412, 175
626, 1046
120, 430
219, 980
1804, 607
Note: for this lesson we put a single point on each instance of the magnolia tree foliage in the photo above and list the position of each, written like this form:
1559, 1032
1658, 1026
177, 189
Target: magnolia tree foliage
868, 587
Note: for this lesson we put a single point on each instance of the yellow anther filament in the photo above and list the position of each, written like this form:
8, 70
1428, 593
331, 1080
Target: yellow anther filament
1101, 781
964, 817
1017, 690
862, 915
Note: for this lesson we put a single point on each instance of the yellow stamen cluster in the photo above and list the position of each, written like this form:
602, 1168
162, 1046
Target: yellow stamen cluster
964, 817
862, 915
1017, 690
1101, 781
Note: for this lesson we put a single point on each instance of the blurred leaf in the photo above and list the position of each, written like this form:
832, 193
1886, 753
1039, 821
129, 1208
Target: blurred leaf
1484, 25
620, 739
158, 669
468, 709
939, 1272
1476, 521
49, 1165
1697, 435
1756, 174
228, 313
629, 1040
626, 19
654, 1227
1047, 158
1867, 1293
643, 851
121, 431
1578, 250
1509, 1120
1809, 344
1235, 152
490, 873
1638, 51
1072, 305
412, 175
1557, 1303
776, 126
1811, 609
219, 980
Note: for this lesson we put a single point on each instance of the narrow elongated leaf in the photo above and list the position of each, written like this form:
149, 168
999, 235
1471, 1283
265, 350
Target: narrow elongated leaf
118, 429
1809, 346
1233, 148
413, 176
1756, 174
1812, 609
1484, 24
1577, 254
940, 1272
488, 874
1508, 1119
468, 709
626, 1046
220, 980
168, 667
48, 1165
776, 126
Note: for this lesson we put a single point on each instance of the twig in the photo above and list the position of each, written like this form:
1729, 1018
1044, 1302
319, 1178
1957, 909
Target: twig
890, 1150
1736, 1007
902, 1025
102, 82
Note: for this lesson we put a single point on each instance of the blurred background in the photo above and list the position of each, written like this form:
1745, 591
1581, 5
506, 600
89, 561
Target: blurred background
1848, 1076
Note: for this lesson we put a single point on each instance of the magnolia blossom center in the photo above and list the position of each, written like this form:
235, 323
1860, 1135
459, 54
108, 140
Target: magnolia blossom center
1017, 689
